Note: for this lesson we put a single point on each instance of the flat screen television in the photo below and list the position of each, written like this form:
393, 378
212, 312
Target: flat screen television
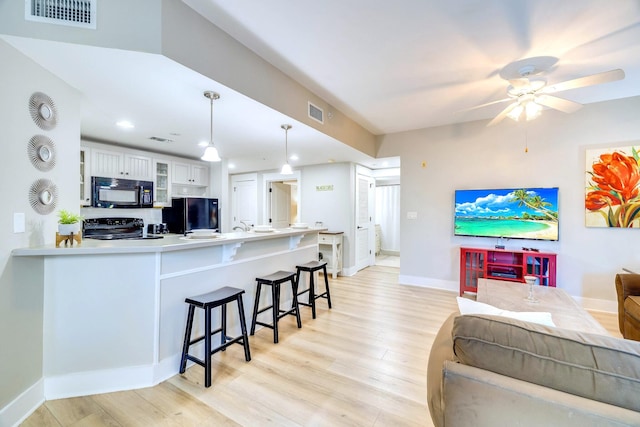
511, 213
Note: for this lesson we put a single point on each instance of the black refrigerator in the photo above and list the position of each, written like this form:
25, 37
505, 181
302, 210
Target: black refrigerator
191, 213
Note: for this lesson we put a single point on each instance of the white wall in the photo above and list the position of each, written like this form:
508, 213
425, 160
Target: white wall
473, 156
21, 306
335, 208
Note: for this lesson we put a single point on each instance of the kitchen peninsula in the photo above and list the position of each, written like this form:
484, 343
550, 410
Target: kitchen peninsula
114, 311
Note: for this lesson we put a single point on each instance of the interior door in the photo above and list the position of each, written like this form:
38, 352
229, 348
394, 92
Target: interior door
280, 204
364, 221
244, 202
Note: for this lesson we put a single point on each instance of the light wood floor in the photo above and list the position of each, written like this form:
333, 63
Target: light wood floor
363, 363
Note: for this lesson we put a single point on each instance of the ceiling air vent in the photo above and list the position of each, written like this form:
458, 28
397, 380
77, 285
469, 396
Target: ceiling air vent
160, 139
74, 13
316, 113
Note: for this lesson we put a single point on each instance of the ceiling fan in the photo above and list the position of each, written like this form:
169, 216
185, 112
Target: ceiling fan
529, 93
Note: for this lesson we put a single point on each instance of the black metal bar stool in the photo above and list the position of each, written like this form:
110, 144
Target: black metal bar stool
274, 280
311, 267
207, 302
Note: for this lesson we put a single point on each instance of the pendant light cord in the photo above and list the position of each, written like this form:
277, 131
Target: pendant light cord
286, 142
211, 124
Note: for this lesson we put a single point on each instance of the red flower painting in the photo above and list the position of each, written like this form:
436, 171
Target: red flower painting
612, 188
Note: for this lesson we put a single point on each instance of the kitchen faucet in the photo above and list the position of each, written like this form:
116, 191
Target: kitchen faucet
243, 227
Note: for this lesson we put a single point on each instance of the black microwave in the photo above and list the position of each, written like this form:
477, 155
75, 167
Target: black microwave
121, 193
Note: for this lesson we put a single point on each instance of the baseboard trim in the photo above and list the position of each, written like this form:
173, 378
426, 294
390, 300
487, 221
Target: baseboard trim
597, 304
110, 380
426, 282
97, 382
22, 406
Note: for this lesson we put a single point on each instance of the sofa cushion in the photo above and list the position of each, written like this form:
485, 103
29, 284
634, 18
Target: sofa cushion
597, 367
468, 306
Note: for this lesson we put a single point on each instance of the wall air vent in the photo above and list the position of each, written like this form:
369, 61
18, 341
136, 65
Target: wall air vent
316, 113
74, 13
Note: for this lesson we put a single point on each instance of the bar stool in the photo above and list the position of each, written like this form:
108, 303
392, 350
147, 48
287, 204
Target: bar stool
274, 280
207, 302
312, 267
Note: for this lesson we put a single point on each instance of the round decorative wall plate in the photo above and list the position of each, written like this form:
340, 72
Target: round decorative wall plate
42, 152
43, 111
43, 196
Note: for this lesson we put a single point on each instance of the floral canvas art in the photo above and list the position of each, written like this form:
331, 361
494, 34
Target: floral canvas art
612, 197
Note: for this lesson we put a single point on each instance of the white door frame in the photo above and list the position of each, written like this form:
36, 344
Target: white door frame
370, 225
267, 179
235, 215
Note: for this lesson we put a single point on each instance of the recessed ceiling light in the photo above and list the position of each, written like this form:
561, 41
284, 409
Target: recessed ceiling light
293, 157
231, 166
203, 143
125, 124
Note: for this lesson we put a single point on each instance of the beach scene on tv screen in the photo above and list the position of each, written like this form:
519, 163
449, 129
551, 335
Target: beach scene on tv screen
521, 213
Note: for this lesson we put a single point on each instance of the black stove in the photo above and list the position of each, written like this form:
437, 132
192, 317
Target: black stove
115, 229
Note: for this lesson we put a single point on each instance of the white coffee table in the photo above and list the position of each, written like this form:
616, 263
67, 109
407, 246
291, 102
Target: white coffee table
565, 311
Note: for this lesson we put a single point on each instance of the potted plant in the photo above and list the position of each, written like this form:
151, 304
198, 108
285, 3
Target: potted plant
69, 222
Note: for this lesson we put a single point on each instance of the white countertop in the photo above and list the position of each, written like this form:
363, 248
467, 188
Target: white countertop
170, 242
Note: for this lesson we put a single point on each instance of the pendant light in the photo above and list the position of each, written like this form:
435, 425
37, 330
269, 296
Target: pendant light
211, 153
286, 168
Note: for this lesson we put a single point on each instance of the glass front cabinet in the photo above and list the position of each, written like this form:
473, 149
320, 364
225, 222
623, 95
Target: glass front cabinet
161, 183
503, 264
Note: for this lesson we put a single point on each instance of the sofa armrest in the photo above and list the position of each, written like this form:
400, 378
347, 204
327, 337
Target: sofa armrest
626, 284
441, 351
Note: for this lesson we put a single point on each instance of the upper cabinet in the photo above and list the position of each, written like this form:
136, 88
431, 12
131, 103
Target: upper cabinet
171, 176
190, 173
118, 164
85, 177
161, 182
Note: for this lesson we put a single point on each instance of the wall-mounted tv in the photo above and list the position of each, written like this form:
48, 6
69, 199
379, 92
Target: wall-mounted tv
512, 213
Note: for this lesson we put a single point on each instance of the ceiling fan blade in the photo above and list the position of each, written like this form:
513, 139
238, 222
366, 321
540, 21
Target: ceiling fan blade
486, 105
497, 119
594, 79
556, 103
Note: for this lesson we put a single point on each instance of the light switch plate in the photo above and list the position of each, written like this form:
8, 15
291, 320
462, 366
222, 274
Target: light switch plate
412, 215
18, 222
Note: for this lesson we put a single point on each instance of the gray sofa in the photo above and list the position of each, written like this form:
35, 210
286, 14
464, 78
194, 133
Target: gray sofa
494, 371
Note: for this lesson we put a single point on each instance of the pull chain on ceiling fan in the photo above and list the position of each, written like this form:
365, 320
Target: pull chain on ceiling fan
529, 93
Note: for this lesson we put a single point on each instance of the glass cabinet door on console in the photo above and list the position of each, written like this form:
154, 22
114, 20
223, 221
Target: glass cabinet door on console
472, 264
543, 267
502, 264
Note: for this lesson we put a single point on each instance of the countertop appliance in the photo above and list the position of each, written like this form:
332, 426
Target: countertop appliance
114, 229
191, 213
157, 228
121, 193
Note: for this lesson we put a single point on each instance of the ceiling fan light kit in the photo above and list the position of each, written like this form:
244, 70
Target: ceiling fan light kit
529, 95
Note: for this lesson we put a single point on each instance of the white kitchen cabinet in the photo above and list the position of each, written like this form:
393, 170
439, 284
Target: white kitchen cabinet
119, 164
85, 177
162, 182
330, 245
188, 173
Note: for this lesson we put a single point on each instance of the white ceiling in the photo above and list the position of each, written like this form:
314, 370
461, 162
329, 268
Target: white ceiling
390, 66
